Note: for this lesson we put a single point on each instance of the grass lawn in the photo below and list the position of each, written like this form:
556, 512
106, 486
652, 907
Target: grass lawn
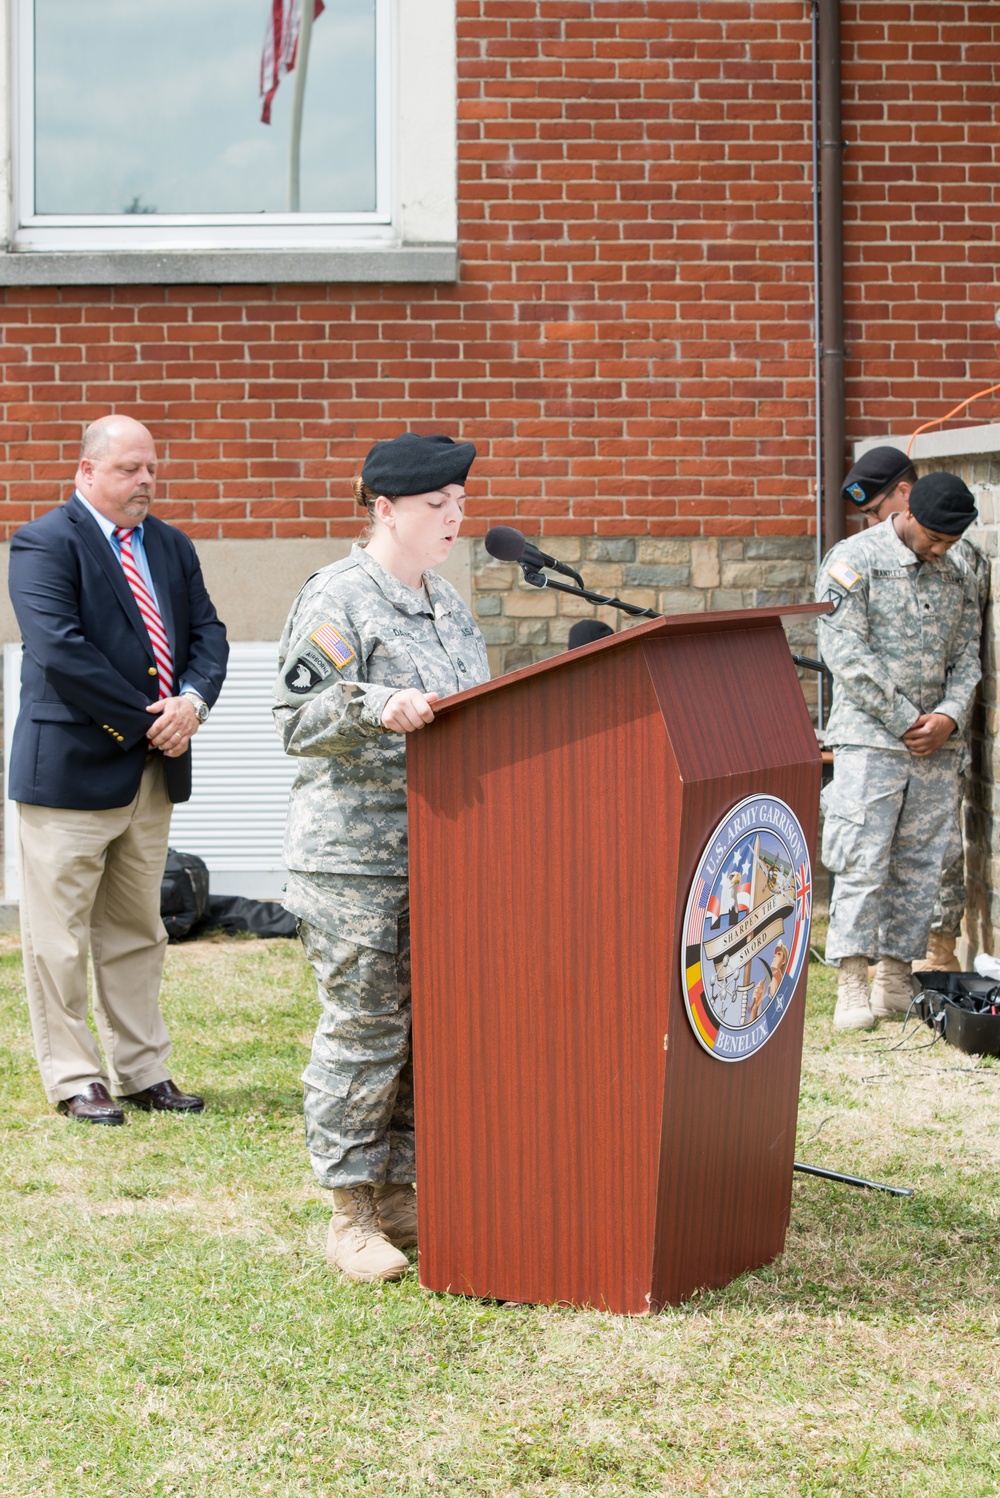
169, 1325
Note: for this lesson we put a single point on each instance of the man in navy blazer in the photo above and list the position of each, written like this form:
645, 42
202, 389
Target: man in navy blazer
124, 656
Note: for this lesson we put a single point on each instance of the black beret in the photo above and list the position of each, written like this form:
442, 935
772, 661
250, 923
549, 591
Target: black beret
410, 464
941, 502
586, 631
879, 468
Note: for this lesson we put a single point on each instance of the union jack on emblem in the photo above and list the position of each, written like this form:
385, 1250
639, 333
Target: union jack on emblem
803, 894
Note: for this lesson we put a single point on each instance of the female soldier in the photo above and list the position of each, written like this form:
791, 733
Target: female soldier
371, 643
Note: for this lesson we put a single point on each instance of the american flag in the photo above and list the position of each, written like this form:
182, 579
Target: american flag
334, 644
281, 45
698, 914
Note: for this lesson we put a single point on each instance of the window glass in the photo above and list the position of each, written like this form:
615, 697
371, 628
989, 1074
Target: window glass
153, 107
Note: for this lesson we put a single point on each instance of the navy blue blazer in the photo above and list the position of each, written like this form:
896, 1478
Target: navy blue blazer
88, 672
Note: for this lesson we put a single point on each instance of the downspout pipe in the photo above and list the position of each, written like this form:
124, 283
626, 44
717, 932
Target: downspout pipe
817, 287
832, 258
817, 333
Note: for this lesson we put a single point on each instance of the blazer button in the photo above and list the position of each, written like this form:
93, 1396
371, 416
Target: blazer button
152, 670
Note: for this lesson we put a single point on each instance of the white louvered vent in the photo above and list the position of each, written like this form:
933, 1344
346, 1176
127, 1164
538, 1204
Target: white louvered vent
235, 819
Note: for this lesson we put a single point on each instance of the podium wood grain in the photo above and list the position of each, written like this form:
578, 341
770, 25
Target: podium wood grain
574, 1142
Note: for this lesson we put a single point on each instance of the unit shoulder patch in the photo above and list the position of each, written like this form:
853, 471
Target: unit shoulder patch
312, 664
844, 575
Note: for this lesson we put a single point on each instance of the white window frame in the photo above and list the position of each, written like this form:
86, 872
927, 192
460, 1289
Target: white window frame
165, 231
410, 236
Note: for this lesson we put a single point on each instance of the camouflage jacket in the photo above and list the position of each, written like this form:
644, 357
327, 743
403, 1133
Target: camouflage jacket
355, 636
903, 638
971, 556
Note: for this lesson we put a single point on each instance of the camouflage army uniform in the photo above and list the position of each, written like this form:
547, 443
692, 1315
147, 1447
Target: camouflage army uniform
950, 905
903, 640
355, 636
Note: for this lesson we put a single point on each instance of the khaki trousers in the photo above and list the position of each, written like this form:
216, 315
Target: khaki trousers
91, 880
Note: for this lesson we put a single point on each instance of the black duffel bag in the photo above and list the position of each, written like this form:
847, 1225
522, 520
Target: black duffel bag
234, 913
183, 894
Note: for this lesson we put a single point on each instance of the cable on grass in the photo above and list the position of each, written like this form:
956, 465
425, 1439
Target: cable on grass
938, 1035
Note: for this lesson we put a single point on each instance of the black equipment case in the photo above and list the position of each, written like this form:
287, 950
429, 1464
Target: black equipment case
964, 1007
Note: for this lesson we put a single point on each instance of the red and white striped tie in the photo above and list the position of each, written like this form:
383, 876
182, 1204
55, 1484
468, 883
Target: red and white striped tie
150, 613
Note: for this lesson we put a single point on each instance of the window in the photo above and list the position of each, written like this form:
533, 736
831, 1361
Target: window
137, 127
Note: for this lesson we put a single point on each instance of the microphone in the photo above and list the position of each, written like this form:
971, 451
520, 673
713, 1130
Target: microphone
586, 631
508, 545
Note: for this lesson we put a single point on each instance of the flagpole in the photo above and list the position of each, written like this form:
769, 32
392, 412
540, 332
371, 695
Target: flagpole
298, 98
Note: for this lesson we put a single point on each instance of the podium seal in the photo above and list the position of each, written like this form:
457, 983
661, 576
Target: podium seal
746, 928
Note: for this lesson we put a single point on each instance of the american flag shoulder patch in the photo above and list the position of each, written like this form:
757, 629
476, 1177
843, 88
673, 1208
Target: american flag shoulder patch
333, 645
844, 575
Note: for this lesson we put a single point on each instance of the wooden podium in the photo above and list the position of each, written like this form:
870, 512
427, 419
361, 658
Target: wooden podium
575, 1142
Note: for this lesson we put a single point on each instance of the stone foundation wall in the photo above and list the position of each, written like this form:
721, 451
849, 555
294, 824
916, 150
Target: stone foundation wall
674, 575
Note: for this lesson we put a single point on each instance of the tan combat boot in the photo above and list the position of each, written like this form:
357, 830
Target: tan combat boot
892, 991
397, 1213
356, 1244
940, 955
853, 1011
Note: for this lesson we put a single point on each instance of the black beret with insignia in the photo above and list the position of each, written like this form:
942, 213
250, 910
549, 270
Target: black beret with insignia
877, 469
410, 464
942, 503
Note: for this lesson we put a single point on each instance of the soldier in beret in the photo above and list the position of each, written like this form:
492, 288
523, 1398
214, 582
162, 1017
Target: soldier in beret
878, 486
371, 643
902, 641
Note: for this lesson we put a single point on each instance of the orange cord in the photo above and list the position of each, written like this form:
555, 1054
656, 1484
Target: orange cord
939, 419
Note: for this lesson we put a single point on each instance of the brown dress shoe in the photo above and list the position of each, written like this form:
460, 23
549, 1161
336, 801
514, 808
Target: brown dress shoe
165, 1097
94, 1105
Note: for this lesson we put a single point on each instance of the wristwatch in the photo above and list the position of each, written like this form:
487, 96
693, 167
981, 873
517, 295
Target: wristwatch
199, 704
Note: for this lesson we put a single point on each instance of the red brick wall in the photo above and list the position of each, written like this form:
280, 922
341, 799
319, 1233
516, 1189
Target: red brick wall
630, 341
922, 202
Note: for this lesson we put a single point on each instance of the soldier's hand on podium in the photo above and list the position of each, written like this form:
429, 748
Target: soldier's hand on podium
408, 709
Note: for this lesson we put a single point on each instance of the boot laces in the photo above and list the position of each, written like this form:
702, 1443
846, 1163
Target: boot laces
365, 1216
853, 988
